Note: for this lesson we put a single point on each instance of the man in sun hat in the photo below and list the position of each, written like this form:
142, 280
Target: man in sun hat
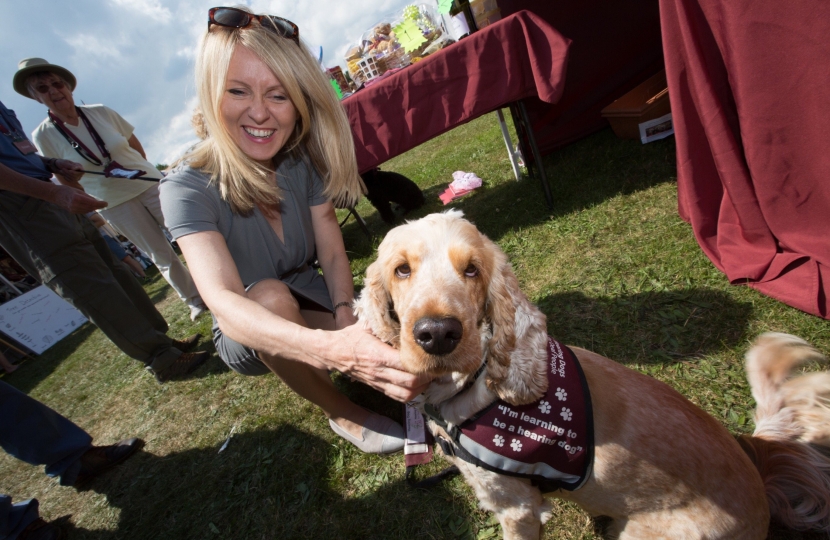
43, 228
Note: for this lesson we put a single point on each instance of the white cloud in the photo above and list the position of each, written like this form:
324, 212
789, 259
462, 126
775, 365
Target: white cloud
149, 8
137, 56
89, 45
171, 140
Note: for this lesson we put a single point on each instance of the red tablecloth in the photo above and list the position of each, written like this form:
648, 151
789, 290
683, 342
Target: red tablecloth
517, 57
749, 82
616, 46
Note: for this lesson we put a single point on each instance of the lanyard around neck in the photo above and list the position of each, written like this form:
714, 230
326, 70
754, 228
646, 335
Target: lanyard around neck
77, 144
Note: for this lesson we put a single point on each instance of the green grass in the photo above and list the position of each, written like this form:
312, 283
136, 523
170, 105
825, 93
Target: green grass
613, 267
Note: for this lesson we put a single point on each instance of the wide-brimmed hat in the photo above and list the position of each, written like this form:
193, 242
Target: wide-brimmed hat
28, 66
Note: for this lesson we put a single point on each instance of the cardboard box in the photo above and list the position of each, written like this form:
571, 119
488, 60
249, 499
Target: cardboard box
480, 7
647, 101
488, 18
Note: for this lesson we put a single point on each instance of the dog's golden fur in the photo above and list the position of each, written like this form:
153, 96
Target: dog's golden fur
663, 468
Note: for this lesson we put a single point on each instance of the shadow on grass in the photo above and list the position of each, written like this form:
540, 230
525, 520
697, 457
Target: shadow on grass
649, 327
34, 370
267, 484
155, 284
581, 175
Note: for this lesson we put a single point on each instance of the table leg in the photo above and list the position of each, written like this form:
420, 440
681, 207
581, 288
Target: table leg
362, 224
510, 153
10, 285
524, 130
16, 349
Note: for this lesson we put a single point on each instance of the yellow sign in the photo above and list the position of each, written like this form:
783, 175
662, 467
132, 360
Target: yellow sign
409, 35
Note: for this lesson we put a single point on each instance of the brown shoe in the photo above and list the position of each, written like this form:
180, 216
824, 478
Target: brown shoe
187, 343
98, 459
181, 366
41, 530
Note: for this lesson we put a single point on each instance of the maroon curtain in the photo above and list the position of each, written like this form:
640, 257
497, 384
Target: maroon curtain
615, 46
749, 82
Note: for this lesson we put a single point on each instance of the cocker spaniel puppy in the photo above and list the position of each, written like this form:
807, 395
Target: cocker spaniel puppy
525, 418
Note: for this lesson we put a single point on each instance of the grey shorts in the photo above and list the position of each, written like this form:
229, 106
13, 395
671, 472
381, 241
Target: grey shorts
241, 358
237, 356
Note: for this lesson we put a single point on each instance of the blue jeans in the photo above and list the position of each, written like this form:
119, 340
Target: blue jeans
34, 433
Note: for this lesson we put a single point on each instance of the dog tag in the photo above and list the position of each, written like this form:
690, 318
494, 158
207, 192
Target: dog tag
416, 449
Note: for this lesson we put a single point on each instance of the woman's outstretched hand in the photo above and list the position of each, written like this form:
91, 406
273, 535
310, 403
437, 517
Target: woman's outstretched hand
364, 357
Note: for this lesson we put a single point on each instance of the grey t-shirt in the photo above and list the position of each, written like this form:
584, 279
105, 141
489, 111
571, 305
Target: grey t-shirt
191, 204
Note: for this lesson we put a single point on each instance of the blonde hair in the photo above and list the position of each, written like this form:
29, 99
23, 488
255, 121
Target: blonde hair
322, 135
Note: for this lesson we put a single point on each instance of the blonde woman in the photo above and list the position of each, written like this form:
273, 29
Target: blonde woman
251, 208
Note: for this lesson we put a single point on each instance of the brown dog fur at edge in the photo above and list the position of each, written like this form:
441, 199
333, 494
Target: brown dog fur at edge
663, 468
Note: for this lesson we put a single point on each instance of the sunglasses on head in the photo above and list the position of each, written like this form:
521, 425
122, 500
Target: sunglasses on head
236, 18
44, 88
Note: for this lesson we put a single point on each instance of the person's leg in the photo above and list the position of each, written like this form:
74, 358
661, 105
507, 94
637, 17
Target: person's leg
34, 433
131, 286
16, 517
121, 254
69, 256
312, 384
115, 246
134, 265
7, 366
140, 219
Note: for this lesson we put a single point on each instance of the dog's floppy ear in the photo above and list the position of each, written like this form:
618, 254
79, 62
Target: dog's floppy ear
516, 352
501, 312
374, 307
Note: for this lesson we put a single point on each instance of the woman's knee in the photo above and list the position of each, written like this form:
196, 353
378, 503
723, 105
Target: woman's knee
275, 296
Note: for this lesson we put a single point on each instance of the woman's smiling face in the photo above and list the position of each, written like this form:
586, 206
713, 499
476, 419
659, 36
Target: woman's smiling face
58, 100
255, 109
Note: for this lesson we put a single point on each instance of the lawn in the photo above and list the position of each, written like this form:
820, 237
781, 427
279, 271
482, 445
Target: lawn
612, 266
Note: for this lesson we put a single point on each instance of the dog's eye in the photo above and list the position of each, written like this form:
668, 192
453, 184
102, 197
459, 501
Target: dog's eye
471, 271
403, 271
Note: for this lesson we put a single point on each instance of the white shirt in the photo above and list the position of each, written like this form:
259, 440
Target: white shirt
115, 132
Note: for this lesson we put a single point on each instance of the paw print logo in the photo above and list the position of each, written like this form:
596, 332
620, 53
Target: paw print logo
516, 445
566, 413
498, 440
561, 394
544, 406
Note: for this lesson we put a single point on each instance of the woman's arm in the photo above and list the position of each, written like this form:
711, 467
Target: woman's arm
352, 350
331, 253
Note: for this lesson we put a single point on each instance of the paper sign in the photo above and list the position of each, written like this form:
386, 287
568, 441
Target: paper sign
654, 130
409, 36
444, 6
460, 26
39, 318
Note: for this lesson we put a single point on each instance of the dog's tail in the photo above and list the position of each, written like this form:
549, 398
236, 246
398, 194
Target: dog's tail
791, 443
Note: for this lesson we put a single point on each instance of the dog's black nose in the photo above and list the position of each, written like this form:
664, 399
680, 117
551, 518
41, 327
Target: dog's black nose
437, 336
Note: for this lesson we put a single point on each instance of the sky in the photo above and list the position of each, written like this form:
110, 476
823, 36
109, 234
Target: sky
137, 56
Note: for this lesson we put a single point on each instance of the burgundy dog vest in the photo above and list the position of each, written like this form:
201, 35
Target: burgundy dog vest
549, 441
